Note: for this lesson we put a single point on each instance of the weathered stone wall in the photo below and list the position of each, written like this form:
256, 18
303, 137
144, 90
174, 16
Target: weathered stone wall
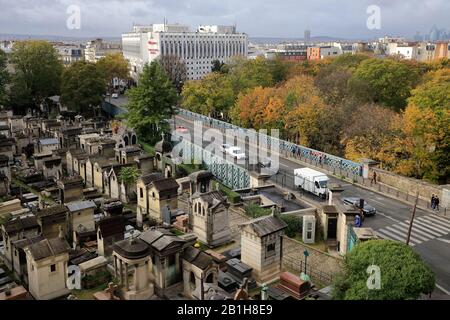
320, 265
411, 186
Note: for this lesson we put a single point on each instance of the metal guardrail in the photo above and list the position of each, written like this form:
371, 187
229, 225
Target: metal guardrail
298, 265
230, 174
311, 155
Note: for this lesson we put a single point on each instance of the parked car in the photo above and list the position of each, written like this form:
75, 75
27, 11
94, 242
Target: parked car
264, 162
224, 148
115, 96
236, 153
368, 210
181, 130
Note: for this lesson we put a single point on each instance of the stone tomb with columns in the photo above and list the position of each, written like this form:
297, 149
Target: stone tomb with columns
133, 256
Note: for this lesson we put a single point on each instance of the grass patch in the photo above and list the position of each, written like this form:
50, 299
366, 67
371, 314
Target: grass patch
88, 293
31, 190
147, 148
5, 218
233, 197
189, 168
177, 232
255, 211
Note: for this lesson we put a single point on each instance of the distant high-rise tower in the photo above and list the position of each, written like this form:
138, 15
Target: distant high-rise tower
307, 37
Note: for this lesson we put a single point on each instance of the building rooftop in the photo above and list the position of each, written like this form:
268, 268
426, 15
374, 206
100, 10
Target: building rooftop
81, 205
166, 184
266, 225
48, 141
132, 248
160, 239
197, 257
16, 225
112, 226
22, 243
55, 210
48, 248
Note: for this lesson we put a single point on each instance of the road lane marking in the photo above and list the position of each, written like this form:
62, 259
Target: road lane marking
389, 235
444, 240
403, 234
388, 217
422, 230
425, 224
435, 225
442, 219
432, 218
442, 289
413, 233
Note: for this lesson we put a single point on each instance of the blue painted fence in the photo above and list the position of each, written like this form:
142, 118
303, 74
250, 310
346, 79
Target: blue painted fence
285, 146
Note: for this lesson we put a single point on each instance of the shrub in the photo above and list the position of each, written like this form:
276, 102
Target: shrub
295, 225
255, 211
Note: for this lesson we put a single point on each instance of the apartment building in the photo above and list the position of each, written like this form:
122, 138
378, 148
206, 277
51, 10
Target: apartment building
196, 49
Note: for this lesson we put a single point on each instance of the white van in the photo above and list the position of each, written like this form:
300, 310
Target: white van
312, 181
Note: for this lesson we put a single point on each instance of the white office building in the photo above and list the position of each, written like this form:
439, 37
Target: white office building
197, 49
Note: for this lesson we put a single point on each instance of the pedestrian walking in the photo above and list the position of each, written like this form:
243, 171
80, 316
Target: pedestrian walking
433, 202
436, 203
374, 178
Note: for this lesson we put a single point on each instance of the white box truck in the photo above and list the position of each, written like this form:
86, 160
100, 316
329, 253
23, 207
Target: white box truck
312, 181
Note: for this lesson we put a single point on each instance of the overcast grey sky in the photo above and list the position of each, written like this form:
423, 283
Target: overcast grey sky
268, 18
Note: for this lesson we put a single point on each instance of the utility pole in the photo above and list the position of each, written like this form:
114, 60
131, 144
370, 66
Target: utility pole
412, 219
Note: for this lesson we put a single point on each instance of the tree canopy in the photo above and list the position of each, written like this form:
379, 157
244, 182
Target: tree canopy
403, 273
113, 66
427, 129
82, 88
355, 106
212, 95
129, 175
151, 103
4, 76
37, 73
389, 81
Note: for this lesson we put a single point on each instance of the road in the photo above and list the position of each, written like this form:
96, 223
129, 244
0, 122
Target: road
431, 233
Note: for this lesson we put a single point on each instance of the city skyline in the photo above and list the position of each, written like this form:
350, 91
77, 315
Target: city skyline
289, 19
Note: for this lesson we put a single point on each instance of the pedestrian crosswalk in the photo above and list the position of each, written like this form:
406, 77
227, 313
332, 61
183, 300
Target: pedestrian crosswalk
425, 228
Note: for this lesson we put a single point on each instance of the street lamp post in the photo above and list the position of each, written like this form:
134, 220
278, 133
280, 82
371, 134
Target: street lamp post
306, 254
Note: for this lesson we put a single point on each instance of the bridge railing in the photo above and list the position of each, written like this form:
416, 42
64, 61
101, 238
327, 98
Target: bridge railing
290, 149
230, 174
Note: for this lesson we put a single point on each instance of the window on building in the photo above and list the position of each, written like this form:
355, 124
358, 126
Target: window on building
270, 250
141, 192
53, 268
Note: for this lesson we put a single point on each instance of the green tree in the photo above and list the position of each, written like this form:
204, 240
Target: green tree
217, 66
82, 88
247, 74
129, 175
4, 76
151, 103
426, 127
294, 225
349, 62
210, 96
403, 273
113, 66
37, 73
390, 81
